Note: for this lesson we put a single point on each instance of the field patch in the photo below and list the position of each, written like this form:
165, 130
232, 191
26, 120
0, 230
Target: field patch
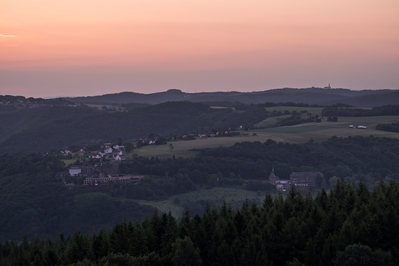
292, 134
324, 130
185, 149
176, 204
68, 162
271, 121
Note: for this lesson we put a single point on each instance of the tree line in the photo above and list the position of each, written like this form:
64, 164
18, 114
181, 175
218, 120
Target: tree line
392, 127
354, 159
347, 226
344, 110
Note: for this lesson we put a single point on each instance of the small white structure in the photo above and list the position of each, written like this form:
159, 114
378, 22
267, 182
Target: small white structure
75, 170
108, 150
283, 185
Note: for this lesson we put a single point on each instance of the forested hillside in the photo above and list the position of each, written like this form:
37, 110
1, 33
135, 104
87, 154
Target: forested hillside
41, 125
34, 202
348, 226
368, 159
55, 127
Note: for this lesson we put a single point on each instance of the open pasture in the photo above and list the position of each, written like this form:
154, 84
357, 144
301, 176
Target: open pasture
68, 162
176, 203
164, 206
184, 148
271, 121
292, 134
324, 130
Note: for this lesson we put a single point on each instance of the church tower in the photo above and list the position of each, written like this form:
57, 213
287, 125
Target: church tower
273, 178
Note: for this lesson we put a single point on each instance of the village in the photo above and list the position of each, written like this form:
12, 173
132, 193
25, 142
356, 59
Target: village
105, 158
105, 169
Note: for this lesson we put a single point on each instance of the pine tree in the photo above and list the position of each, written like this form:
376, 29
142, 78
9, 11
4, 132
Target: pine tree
119, 238
138, 243
78, 248
101, 245
185, 228
185, 253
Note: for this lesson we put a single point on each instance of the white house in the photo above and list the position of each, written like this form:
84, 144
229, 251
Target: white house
108, 150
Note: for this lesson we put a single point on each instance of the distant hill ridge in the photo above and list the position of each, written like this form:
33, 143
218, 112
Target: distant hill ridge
362, 98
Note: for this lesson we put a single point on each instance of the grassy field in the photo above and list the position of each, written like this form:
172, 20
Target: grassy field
271, 121
68, 162
183, 148
230, 195
324, 130
291, 134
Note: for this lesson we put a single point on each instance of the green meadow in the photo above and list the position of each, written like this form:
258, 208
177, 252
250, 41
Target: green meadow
324, 130
271, 121
176, 204
187, 148
291, 134
68, 162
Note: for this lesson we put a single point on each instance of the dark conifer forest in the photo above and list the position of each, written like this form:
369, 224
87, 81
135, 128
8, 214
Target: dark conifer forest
348, 226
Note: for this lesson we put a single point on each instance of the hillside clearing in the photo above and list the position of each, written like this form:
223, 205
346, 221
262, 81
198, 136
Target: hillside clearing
233, 196
292, 134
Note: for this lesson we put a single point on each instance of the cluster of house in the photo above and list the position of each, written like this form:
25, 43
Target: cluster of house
115, 152
99, 174
300, 180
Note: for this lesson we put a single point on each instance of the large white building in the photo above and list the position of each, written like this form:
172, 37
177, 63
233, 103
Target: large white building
75, 170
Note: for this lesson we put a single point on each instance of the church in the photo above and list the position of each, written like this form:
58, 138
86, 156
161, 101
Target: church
297, 179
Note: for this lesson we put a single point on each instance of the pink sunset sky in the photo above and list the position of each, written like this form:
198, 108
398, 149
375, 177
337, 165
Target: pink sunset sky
84, 47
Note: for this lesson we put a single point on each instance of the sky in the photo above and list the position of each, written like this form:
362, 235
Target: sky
84, 47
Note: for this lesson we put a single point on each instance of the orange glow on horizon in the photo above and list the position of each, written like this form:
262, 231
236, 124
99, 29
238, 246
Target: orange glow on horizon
176, 35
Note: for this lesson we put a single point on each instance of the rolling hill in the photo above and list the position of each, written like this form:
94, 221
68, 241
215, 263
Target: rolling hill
363, 98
